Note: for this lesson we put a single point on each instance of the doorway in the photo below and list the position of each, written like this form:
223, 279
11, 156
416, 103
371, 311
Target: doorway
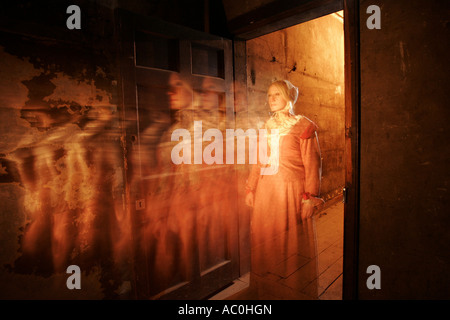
311, 56
278, 19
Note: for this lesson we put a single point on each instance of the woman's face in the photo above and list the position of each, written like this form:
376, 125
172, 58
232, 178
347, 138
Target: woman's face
180, 95
275, 99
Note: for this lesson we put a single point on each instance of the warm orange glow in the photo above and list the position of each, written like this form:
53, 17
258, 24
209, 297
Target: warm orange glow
72, 177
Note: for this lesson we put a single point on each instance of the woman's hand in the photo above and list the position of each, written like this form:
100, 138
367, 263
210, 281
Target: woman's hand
307, 209
249, 199
309, 205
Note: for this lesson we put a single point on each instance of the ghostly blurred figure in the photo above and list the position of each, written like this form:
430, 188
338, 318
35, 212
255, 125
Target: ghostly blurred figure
213, 196
73, 192
211, 110
169, 232
180, 94
105, 222
48, 239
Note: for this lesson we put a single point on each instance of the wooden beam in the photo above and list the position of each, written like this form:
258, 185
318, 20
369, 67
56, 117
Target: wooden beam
278, 15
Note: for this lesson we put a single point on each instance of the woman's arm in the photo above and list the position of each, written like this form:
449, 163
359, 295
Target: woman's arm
310, 151
309, 148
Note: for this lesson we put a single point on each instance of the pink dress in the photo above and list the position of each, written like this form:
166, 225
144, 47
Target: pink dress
278, 198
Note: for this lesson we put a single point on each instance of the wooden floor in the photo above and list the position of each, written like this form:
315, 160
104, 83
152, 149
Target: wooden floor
301, 278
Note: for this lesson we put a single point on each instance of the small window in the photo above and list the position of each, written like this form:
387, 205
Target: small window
207, 61
155, 51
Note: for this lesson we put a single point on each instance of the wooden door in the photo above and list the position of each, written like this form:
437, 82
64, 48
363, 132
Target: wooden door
184, 218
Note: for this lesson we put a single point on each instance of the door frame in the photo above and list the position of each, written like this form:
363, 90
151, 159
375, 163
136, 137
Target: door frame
280, 15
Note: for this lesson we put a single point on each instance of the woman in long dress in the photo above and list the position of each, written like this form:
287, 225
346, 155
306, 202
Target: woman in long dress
284, 201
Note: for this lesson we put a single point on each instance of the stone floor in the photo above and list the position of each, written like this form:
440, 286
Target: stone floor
301, 276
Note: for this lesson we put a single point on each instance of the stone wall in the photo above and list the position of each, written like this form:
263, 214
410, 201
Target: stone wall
311, 56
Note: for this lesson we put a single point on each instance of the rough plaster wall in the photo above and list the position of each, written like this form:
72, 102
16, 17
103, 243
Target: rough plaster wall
405, 153
311, 56
317, 61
